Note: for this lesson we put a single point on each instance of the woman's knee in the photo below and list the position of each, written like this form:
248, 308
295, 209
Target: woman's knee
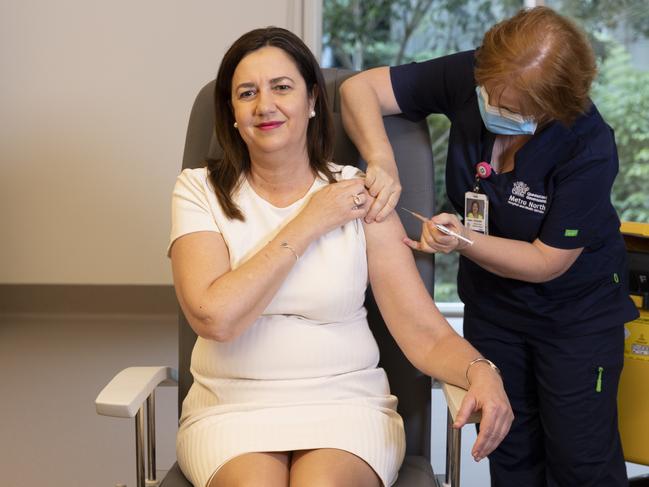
253, 470
331, 468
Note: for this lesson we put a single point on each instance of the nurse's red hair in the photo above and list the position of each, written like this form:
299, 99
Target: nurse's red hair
545, 58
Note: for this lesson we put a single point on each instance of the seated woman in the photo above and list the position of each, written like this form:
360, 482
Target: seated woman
271, 260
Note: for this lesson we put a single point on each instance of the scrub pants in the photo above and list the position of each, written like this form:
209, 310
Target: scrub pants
565, 431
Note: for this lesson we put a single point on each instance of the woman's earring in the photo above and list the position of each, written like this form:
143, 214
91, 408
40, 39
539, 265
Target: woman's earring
236, 125
312, 114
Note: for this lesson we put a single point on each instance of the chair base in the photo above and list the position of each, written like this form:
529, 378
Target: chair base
639, 481
440, 480
416, 471
175, 478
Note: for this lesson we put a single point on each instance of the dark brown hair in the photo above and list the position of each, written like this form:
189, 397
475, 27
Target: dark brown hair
225, 173
545, 58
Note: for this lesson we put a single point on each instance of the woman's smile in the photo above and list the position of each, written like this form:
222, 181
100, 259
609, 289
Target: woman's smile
269, 125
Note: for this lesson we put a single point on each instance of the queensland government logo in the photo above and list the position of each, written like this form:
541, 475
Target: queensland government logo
521, 197
520, 188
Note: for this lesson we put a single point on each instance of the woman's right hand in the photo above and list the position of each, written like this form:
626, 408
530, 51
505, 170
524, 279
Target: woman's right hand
336, 204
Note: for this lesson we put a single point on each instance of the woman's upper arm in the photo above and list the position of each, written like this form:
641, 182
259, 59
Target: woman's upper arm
405, 304
197, 260
197, 249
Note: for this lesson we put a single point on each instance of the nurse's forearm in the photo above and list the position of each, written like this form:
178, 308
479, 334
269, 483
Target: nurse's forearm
515, 259
362, 111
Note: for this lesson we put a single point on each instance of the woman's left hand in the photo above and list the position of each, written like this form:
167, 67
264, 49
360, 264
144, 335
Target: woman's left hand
487, 395
433, 240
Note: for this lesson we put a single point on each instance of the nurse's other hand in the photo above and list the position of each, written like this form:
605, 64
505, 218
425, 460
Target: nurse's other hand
486, 395
433, 240
382, 183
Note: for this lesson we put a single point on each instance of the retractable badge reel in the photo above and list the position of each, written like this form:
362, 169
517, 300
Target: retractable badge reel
476, 204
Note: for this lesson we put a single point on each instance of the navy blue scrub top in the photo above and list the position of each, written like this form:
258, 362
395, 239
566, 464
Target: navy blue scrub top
559, 192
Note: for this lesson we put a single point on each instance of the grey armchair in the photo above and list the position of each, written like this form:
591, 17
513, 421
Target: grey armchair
125, 395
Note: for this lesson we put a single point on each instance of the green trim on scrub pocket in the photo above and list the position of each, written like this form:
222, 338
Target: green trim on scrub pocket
598, 385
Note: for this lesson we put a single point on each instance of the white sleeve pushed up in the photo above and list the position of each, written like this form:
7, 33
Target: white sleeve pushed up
351, 172
191, 210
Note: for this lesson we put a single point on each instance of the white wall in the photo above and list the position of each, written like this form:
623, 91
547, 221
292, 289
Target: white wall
94, 101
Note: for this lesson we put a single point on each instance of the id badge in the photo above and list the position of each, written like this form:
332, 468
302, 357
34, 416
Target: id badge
476, 212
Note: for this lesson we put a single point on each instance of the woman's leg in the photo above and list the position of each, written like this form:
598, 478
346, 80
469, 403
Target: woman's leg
254, 470
328, 467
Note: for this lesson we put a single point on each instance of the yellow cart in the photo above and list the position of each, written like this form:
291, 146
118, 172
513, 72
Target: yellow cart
633, 395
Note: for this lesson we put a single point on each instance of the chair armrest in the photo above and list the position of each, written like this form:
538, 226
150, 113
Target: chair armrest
127, 391
454, 396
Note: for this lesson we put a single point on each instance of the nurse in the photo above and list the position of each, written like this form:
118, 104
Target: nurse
544, 281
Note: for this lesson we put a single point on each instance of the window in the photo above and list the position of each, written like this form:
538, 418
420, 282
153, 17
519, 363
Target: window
360, 35
619, 32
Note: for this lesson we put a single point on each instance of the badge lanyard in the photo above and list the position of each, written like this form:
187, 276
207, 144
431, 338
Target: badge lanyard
476, 204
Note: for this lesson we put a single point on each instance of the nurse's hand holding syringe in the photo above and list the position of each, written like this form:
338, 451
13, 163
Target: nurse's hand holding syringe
425, 241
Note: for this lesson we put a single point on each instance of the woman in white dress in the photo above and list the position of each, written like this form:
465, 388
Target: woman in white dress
271, 259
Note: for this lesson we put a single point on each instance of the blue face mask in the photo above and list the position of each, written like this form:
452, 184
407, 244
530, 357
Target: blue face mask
502, 121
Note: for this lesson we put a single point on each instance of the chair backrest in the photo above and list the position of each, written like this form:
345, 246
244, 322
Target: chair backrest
412, 148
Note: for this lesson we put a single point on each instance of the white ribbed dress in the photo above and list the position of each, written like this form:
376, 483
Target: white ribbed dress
305, 374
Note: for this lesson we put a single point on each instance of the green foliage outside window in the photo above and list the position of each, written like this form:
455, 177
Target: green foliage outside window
622, 95
360, 35
621, 90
